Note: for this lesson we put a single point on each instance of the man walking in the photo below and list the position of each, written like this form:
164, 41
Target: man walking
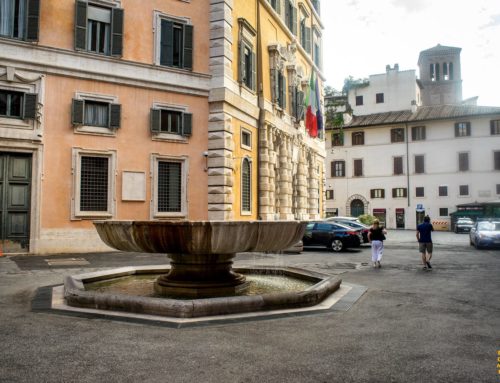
425, 241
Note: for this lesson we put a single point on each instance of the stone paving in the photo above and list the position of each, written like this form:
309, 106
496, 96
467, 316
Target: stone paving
409, 326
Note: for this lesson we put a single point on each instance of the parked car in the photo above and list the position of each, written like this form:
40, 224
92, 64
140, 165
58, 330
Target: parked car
333, 235
342, 218
355, 224
485, 234
463, 225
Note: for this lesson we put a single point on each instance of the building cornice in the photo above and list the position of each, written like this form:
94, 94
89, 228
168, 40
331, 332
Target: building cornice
56, 61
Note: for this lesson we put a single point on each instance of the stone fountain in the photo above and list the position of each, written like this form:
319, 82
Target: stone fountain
200, 280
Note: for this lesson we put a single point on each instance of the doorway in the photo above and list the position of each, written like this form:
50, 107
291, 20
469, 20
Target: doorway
357, 208
15, 197
420, 216
400, 218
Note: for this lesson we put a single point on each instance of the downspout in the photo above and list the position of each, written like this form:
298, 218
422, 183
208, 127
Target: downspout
260, 101
407, 164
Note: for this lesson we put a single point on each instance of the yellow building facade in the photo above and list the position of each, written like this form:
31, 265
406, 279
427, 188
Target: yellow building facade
262, 163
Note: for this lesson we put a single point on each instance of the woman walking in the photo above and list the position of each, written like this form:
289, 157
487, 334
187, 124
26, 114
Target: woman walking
376, 236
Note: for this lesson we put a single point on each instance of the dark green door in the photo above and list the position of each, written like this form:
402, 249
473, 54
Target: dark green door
15, 196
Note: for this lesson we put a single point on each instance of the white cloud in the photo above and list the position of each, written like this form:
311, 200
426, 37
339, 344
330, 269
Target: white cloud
362, 36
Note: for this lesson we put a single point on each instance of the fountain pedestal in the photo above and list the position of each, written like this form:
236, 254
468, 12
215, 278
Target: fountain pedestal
200, 276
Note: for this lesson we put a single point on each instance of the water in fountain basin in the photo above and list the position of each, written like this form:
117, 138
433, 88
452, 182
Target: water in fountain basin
143, 285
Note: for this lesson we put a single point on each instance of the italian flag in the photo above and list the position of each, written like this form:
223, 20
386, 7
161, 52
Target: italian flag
314, 117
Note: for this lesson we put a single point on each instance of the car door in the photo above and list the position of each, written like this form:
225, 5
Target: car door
307, 239
322, 233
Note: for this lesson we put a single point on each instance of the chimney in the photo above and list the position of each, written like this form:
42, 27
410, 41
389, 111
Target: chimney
396, 67
413, 106
387, 68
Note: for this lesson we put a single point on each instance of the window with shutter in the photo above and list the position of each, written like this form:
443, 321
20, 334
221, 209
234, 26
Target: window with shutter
358, 168
19, 19
338, 169
418, 133
171, 124
247, 70
399, 193
463, 190
94, 113
463, 162
397, 135
377, 193
443, 191
358, 138
175, 43
462, 129
30, 106
495, 127
170, 187
496, 160
398, 165
11, 104
419, 191
419, 164
98, 29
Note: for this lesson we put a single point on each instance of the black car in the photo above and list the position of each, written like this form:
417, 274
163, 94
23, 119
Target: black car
333, 235
464, 225
355, 225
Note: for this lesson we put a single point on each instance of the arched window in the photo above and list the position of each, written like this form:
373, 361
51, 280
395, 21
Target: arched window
246, 185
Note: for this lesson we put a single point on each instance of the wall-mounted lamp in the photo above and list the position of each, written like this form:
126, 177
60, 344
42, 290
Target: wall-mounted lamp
205, 154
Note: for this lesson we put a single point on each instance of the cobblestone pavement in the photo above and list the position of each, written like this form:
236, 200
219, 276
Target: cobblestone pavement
410, 325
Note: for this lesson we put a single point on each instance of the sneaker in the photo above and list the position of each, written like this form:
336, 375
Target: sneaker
378, 264
374, 265
425, 267
428, 265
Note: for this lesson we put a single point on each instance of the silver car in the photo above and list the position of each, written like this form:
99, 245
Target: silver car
485, 234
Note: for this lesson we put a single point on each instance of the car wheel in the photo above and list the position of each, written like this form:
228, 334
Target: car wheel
337, 245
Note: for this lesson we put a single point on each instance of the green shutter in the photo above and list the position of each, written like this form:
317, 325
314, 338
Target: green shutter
275, 85
117, 32
187, 124
77, 112
308, 40
242, 68
81, 25
468, 128
155, 120
167, 43
294, 21
254, 72
300, 105
292, 94
30, 106
188, 47
115, 115
32, 27
283, 91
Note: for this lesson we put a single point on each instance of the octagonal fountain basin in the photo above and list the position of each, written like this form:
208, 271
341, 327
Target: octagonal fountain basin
201, 252
130, 289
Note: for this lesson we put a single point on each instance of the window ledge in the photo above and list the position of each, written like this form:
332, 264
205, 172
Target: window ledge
95, 130
91, 215
160, 216
170, 137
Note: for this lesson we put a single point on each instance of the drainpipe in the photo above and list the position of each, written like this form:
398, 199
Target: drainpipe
260, 100
407, 164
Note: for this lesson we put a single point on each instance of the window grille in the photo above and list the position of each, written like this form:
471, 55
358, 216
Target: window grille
94, 173
169, 186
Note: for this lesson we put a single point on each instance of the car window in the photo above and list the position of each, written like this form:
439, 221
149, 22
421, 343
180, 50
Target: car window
310, 226
488, 226
324, 227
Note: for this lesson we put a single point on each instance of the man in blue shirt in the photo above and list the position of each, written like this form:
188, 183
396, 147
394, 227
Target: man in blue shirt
425, 241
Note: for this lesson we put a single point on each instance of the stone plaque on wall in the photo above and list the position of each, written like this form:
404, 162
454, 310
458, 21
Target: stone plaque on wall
133, 186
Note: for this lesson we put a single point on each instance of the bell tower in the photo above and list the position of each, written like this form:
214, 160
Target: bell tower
440, 75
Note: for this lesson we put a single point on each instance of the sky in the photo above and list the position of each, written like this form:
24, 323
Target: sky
362, 36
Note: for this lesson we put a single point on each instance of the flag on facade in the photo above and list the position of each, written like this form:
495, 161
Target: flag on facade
314, 117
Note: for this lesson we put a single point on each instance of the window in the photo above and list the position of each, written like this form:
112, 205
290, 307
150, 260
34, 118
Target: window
496, 160
93, 113
397, 135
463, 162
399, 192
358, 168
246, 139
462, 129
495, 127
296, 100
358, 138
279, 88
463, 190
18, 104
419, 191
398, 165
98, 29
338, 168
443, 211
94, 183
329, 194
19, 19
291, 17
434, 72
246, 185
377, 193
176, 44
443, 191
169, 186
305, 33
247, 67
359, 100
171, 121
418, 133
317, 53
448, 71
498, 188
419, 164
338, 139
275, 4
379, 98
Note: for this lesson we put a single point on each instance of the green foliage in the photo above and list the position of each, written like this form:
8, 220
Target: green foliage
351, 83
367, 219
